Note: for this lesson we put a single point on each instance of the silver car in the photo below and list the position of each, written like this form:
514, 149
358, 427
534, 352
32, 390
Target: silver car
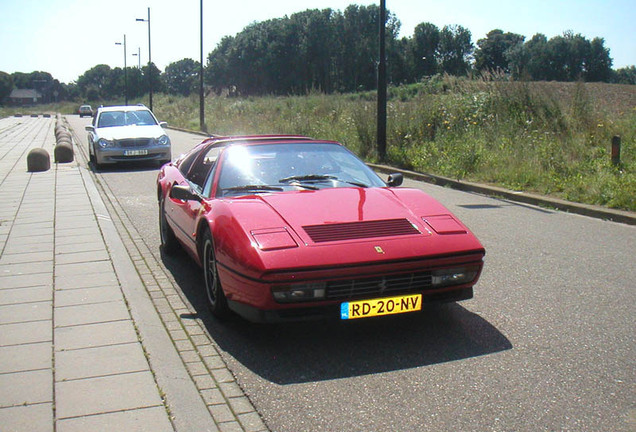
127, 133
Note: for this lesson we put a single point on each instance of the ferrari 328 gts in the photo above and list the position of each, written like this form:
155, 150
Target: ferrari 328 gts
292, 228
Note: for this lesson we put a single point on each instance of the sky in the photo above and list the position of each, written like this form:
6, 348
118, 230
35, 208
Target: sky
68, 37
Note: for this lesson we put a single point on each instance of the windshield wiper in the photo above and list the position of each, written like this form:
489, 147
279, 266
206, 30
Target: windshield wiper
249, 188
318, 177
308, 177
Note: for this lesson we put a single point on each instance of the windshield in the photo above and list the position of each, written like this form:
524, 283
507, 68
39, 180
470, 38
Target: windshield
281, 167
125, 118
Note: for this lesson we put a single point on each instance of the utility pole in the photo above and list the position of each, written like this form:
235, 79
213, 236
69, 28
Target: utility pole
149, 57
381, 134
201, 94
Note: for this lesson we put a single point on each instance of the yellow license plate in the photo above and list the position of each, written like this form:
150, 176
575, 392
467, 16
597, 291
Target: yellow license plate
382, 306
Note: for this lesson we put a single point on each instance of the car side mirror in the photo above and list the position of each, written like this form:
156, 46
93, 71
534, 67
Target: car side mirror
163, 124
90, 128
395, 180
184, 193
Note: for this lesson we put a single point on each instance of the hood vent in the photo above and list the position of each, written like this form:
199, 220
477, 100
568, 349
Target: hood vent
360, 230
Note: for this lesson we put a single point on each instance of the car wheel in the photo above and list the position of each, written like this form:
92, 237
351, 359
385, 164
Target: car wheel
215, 295
169, 243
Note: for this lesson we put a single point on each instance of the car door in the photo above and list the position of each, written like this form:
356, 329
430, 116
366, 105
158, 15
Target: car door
185, 214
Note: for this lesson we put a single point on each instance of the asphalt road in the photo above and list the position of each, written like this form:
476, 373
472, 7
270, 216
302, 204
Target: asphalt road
546, 344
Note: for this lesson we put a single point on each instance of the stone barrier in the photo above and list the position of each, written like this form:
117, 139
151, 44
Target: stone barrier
63, 152
38, 160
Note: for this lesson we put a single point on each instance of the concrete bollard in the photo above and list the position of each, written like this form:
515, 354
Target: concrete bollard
38, 160
63, 153
62, 134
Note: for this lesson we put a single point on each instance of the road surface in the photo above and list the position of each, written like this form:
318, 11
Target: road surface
546, 344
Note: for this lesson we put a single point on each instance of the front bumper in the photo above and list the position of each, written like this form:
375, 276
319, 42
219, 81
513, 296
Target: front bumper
330, 311
115, 155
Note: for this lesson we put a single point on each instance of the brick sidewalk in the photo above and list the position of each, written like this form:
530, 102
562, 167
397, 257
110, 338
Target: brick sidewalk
81, 346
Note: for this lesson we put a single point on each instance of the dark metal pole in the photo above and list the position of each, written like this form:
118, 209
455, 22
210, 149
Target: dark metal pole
125, 74
201, 95
381, 137
149, 60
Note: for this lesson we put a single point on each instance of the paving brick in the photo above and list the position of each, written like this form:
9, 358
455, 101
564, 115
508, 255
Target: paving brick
25, 248
85, 246
25, 312
153, 419
82, 257
106, 394
81, 296
83, 268
25, 281
27, 418
25, 333
252, 422
85, 281
233, 426
27, 257
100, 361
241, 405
212, 396
221, 413
94, 335
25, 295
91, 313
25, 388
21, 358
31, 268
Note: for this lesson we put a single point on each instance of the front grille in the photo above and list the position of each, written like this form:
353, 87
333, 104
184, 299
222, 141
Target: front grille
360, 230
379, 286
134, 142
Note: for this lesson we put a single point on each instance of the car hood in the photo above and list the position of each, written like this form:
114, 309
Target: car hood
345, 214
335, 228
123, 132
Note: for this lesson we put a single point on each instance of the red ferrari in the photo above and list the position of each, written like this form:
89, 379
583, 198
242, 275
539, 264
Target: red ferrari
292, 228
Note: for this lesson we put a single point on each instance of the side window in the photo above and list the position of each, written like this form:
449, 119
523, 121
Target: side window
200, 169
210, 159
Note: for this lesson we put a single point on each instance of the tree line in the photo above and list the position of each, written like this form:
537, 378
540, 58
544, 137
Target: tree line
337, 51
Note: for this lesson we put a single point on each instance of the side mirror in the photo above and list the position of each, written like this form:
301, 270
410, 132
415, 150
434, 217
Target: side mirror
395, 180
184, 193
163, 124
90, 128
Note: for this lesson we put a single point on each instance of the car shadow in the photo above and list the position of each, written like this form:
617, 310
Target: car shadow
301, 352
125, 167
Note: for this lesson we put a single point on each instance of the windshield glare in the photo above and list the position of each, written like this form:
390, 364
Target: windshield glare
246, 168
125, 118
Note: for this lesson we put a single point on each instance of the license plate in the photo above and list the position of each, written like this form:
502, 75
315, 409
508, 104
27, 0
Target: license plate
135, 152
382, 306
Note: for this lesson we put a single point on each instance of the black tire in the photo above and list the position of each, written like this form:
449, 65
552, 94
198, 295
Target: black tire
169, 243
213, 289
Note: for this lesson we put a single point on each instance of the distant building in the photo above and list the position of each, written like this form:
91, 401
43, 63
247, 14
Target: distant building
23, 97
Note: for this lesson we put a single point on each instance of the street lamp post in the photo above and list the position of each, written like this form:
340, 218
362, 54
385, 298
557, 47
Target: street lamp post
201, 96
149, 57
138, 55
125, 74
381, 126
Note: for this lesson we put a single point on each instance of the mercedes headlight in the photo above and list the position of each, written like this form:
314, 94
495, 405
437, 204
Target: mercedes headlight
163, 140
104, 143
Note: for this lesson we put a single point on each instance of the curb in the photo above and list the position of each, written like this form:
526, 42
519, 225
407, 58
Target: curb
598, 212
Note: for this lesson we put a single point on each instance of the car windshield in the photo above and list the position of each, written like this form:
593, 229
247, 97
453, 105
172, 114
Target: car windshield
249, 169
125, 118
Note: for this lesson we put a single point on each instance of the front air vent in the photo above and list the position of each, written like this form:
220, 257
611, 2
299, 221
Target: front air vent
360, 230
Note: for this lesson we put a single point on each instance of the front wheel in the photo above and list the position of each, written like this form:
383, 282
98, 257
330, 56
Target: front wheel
169, 242
215, 295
